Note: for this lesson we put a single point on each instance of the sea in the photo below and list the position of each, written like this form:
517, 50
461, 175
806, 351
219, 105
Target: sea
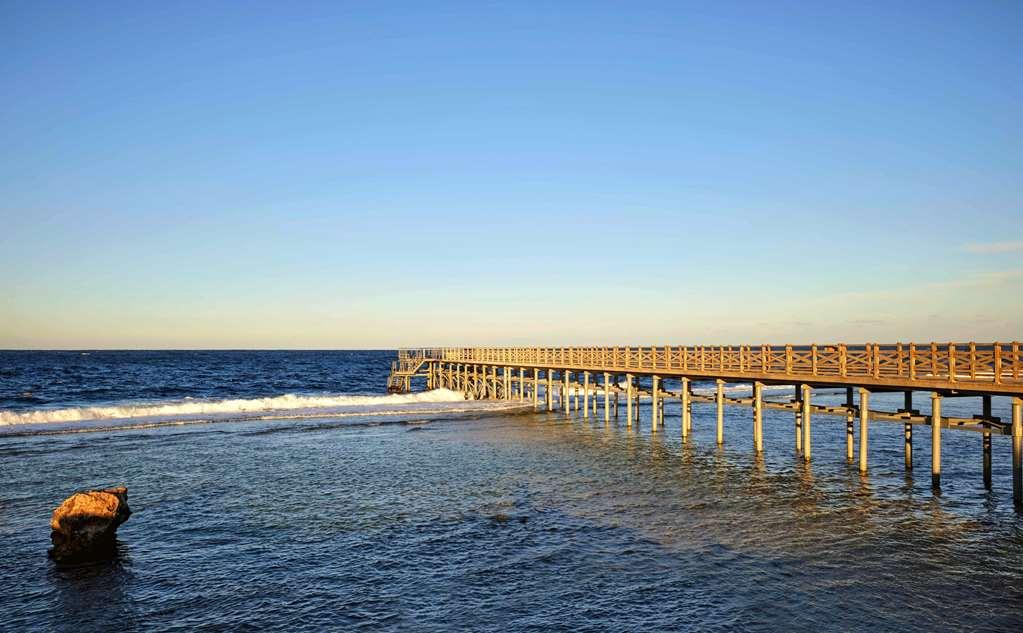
286, 491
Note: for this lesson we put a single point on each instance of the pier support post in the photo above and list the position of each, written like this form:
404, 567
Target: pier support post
586, 395
907, 440
798, 402
655, 384
639, 396
628, 398
807, 394
618, 381
935, 440
607, 397
507, 382
566, 403
986, 443
549, 391
685, 396
864, 431
849, 448
719, 399
758, 418
1017, 451
536, 387
689, 407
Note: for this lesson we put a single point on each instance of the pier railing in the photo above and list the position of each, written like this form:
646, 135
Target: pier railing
957, 364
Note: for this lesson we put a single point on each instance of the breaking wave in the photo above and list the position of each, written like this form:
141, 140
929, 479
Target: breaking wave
245, 407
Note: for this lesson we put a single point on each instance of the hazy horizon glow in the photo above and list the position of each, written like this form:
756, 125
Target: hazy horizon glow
356, 175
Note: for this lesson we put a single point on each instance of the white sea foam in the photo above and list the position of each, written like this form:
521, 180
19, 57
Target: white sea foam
246, 406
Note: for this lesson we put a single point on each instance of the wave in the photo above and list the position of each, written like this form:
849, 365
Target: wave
287, 403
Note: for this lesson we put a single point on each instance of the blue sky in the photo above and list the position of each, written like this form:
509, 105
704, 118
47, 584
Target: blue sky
382, 174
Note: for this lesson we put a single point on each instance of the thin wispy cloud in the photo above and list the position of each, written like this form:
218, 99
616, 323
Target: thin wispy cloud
988, 248
990, 278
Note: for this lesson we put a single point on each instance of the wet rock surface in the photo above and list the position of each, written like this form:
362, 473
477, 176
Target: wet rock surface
84, 526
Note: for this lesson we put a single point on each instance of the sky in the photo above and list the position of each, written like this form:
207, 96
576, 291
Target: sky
384, 174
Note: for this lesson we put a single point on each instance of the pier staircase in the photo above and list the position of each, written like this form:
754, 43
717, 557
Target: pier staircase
409, 365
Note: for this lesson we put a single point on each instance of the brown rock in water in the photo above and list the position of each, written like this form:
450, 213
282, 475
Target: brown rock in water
85, 524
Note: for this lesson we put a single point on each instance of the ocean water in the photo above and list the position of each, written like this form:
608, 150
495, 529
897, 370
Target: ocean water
281, 491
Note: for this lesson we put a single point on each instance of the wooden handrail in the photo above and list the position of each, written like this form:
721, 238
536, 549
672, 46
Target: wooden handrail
955, 363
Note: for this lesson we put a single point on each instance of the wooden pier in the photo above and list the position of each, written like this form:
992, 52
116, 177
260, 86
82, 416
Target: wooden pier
591, 379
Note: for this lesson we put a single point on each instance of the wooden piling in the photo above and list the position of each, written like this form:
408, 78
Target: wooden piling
758, 418
655, 383
986, 442
798, 407
628, 399
549, 391
719, 398
907, 443
566, 405
1017, 451
586, 395
685, 397
907, 431
689, 408
935, 440
849, 443
536, 387
807, 394
607, 397
864, 430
